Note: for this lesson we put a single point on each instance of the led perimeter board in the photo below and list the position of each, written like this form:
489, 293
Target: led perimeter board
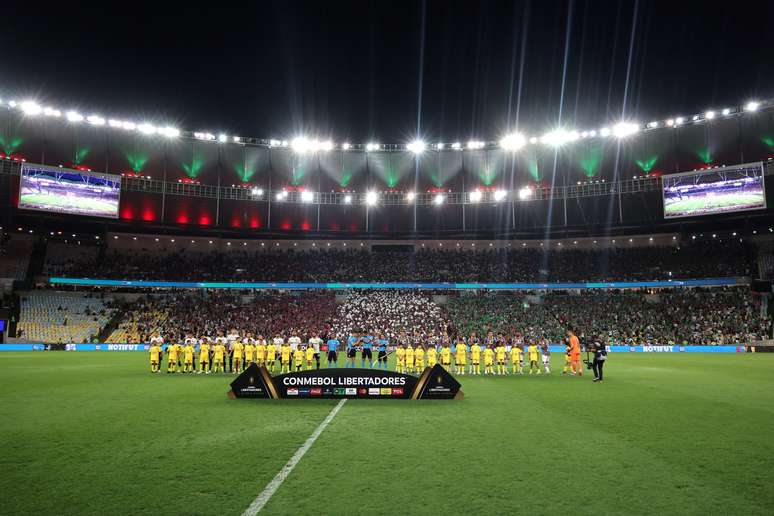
708, 192
62, 190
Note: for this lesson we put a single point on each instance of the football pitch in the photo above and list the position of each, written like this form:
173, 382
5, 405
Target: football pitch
723, 202
96, 433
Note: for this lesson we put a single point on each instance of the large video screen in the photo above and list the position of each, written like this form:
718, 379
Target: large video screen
59, 190
708, 192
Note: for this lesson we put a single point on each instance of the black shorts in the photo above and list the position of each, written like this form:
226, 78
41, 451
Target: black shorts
367, 353
351, 353
382, 356
332, 356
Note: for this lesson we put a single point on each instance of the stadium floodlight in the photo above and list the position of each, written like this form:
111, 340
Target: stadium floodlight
237, 139
670, 122
475, 196
625, 129
726, 111
417, 146
456, 146
652, 125
679, 120
115, 123
371, 198
300, 145
49, 111
499, 195
74, 116
128, 126
709, 115
222, 138
533, 140
513, 142
559, 137
12, 103
281, 196
257, 192
326, 146
347, 200
345, 146
439, 199
307, 196
95, 120
411, 196
146, 128
475, 144
440, 146
274, 143
525, 193
752, 106
169, 132
31, 108
370, 147
592, 133
695, 117
604, 132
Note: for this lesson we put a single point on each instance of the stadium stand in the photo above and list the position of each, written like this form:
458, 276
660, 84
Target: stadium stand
57, 317
15, 251
62, 256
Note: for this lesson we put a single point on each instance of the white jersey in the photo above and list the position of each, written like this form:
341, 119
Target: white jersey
192, 341
231, 338
294, 342
248, 340
157, 340
315, 343
221, 340
278, 341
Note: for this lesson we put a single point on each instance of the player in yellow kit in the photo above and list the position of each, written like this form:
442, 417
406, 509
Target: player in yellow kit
500, 357
298, 358
204, 357
446, 356
309, 357
217, 359
172, 358
488, 360
432, 356
419, 358
409, 358
238, 356
285, 358
475, 357
249, 352
460, 356
270, 357
188, 360
533, 353
400, 359
516, 359
155, 358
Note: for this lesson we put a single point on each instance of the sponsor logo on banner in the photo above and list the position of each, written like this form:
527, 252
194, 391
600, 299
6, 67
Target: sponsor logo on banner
327, 391
338, 391
97, 347
657, 349
632, 349
373, 391
397, 391
292, 392
124, 347
303, 392
350, 391
682, 349
385, 391
362, 392
315, 391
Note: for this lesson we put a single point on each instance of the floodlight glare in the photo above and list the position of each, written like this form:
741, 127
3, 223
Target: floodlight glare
417, 146
652, 125
347, 199
525, 193
74, 116
670, 122
345, 146
281, 195
456, 146
326, 146
258, 192
513, 142
709, 115
439, 146
222, 138
128, 126
752, 106
146, 128
95, 120
604, 132
300, 144
169, 132
726, 111
307, 196
558, 137
372, 147
499, 195
274, 143
679, 120
31, 108
475, 196
410, 196
438, 199
371, 198
475, 144
49, 111
625, 129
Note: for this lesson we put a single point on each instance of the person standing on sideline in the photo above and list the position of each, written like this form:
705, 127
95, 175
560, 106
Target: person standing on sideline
316, 341
333, 351
600, 356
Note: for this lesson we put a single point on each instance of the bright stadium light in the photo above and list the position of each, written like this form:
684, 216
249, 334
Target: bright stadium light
499, 195
652, 125
475, 196
670, 122
31, 108
326, 146
679, 120
456, 146
533, 140
475, 144
169, 132
525, 193
222, 138
709, 115
236, 139
281, 196
117, 124
370, 147
274, 143
307, 196
347, 199
604, 132
411, 196
74, 116
95, 120
559, 137
625, 129
257, 192
417, 146
345, 146
371, 198
726, 111
440, 146
49, 111
438, 199
300, 144
513, 142
752, 106
146, 128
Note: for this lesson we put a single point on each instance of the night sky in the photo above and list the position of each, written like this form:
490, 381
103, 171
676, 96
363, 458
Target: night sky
378, 70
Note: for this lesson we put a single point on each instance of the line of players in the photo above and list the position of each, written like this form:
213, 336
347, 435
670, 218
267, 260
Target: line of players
232, 354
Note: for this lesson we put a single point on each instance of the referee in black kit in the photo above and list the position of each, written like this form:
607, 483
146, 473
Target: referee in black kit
600, 356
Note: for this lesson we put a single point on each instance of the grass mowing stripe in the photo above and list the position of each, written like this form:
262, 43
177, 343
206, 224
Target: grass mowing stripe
277, 481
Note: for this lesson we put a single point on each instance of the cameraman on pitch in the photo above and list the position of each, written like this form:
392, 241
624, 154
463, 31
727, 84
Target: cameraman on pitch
600, 356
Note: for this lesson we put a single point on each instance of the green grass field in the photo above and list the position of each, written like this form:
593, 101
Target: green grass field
719, 202
60, 202
95, 433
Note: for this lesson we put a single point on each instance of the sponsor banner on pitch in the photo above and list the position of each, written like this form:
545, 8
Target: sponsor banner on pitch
433, 383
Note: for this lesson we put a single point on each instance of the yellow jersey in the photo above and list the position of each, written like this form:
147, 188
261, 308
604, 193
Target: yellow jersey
533, 352
204, 353
432, 356
285, 353
189, 353
263, 351
500, 353
172, 352
154, 353
309, 354
400, 355
475, 353
298, 356
419, 356
249, 352
220, 350
488, 356
460, 352
409, 355
515, 354
445, 355
239, 350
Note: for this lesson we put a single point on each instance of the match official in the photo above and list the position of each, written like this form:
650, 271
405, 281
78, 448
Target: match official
600, 356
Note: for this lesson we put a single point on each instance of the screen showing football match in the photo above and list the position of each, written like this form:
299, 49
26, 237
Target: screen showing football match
68, 191
708, 192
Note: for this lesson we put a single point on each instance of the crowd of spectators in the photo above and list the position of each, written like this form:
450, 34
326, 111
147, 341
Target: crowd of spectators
691, 260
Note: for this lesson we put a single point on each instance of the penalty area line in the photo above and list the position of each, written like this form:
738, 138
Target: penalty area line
277, 481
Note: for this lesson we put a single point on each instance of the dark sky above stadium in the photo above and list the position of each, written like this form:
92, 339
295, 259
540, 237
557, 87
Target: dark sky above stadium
378, 70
